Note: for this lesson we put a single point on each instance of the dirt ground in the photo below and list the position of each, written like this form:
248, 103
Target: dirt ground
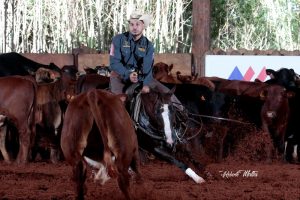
41, 180
244, 174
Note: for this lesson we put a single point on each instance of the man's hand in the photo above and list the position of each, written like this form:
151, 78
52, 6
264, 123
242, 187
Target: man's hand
145, 89
133, 77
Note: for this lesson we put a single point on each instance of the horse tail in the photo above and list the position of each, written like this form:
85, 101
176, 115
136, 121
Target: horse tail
94, 101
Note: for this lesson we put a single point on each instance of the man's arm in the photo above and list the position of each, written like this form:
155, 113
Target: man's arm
115, 59
147, 64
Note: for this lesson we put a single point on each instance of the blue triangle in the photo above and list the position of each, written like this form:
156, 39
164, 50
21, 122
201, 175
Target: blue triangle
236, 74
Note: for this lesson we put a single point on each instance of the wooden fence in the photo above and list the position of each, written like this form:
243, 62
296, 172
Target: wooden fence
181, 62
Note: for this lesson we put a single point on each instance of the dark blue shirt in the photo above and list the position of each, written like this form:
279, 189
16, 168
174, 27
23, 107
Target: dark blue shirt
127, 55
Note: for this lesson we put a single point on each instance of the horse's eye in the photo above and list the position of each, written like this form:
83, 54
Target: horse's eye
161, 109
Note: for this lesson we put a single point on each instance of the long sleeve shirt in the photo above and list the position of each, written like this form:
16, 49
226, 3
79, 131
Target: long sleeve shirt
127, 55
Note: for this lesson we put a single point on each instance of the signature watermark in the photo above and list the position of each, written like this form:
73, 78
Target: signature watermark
239, 173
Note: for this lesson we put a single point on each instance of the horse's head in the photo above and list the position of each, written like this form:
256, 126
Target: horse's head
160, 111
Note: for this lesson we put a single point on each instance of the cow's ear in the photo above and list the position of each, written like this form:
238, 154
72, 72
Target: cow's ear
270, 72
263, 94
170, 68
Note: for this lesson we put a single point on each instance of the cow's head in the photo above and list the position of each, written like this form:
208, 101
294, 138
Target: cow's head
161, 70
43, 75
284, 77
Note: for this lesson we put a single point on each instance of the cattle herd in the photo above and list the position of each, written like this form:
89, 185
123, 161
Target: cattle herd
61, 114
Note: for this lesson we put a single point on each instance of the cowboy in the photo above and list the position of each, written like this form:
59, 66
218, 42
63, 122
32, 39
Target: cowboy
131, 58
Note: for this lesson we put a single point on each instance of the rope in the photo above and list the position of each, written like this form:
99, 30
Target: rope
220, 118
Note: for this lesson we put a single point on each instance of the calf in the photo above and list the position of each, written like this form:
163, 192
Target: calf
119, 141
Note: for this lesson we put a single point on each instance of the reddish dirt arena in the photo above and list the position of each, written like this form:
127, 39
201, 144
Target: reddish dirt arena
230, 180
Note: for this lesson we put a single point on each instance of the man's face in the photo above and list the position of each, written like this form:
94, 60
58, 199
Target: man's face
136, 27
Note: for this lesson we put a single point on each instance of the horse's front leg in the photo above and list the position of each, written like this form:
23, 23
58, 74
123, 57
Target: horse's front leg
170, 158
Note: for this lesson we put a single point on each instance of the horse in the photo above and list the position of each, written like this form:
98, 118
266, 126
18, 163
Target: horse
160, 127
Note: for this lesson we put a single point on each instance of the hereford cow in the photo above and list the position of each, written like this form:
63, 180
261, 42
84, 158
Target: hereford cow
118, 138
16, 64
17, 103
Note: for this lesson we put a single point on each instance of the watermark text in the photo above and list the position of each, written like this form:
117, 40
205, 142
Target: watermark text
239, 173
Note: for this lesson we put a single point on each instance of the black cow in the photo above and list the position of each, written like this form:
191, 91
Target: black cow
205, 107
284, 77
16, 64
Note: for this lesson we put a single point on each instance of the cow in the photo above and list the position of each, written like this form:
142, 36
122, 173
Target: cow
91, 81
18, 104
16, 64
290, 80
162, 73
194, 79
48, 113
284, 77
118, 139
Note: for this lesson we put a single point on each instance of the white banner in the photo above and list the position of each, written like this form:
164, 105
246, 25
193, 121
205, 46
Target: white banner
247, 68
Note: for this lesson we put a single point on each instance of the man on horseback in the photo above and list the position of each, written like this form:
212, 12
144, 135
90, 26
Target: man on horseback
157, 123
131, 58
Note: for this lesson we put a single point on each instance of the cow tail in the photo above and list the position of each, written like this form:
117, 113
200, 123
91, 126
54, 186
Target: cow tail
94, 105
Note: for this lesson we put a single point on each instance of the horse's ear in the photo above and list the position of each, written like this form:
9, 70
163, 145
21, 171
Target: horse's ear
172, 90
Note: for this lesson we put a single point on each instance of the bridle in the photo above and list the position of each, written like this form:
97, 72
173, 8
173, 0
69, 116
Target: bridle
137, 113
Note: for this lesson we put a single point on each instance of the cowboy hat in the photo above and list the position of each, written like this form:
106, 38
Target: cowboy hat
142, 17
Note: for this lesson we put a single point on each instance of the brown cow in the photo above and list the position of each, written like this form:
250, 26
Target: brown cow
162, 73
49, 116
194, 79
118, 138
18, 103
91, 81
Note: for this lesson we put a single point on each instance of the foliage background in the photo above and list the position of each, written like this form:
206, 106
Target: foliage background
59, 26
